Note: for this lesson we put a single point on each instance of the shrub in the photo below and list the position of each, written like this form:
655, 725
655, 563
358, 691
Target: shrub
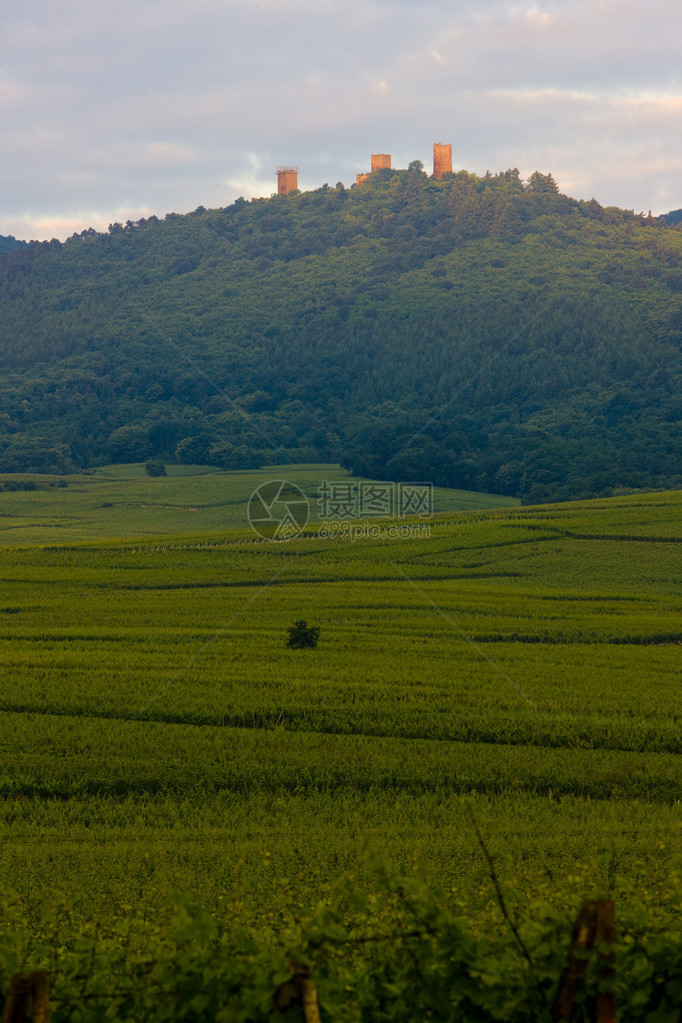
300, 635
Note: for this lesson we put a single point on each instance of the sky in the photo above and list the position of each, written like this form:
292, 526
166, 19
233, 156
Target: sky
111, 110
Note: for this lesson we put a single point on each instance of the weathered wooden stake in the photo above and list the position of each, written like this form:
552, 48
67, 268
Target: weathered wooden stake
605, 936
583, 938
311, 1008
16, 1002
41, 996
595, 926
20, 991
299, 990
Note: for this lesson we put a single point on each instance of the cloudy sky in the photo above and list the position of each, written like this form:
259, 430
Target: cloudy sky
116, 109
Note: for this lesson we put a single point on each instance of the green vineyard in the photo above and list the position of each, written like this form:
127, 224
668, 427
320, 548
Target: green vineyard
517, 675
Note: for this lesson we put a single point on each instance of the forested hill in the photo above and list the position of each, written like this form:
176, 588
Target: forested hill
8, 242
673, 218
474, 332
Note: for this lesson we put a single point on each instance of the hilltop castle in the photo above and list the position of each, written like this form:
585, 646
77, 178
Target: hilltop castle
287, 177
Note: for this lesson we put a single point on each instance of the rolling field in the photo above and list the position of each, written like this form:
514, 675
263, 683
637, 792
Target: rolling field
122, 501
158, 735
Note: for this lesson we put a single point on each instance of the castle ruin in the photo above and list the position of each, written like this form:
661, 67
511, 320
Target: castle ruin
287, 180
381, 161
442, 160
287, 177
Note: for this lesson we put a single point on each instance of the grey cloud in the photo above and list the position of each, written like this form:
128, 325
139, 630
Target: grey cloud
114, 105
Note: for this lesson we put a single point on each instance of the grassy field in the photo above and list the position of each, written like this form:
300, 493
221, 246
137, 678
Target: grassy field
123, 501
158, 735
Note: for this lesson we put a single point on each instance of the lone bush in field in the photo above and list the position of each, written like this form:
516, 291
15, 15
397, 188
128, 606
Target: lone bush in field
155, 467
301, 636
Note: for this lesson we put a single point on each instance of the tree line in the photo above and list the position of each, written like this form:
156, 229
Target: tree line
478, 332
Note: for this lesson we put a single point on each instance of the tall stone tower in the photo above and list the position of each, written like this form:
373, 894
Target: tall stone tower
381, 161
442, 160
287, 180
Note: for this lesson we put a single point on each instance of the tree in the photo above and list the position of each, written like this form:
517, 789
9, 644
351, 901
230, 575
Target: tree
129, 444
542, 183
508, 225
155, 467
301, 636
194, 450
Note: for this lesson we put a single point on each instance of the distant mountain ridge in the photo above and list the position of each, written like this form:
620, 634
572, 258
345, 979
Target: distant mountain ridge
475, 332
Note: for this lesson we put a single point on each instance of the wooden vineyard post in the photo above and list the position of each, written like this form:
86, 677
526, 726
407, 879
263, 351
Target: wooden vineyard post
16, 1002
301, 986
19, 993
311, 1008
308, 993
605, 936
595, 926
581, 942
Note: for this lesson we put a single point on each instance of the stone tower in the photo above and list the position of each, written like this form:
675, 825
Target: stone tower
287, 180
381, 161
442, 160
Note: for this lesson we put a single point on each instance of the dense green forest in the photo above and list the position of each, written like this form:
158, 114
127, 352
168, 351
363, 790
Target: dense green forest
474, 332
673, 218
8, 243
